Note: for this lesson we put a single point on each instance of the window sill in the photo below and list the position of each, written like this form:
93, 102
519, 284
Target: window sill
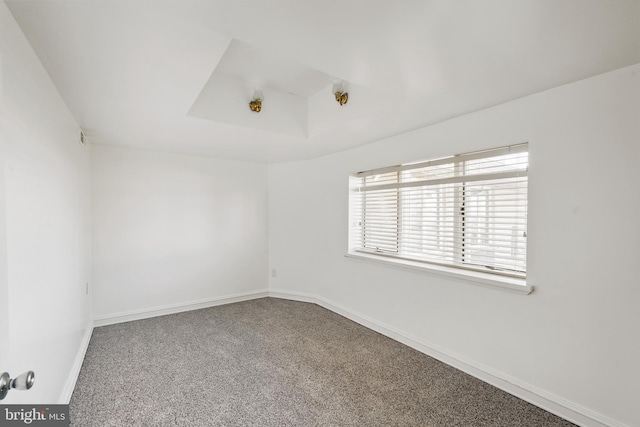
510, 284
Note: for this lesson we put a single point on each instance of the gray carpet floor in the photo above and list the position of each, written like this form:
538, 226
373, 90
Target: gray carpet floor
272, 362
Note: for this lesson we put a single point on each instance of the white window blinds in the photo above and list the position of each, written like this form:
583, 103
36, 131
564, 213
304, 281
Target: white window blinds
467, 211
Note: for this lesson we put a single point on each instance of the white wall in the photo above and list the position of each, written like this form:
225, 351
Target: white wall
172, 229
46, 219
575, 339
4, 286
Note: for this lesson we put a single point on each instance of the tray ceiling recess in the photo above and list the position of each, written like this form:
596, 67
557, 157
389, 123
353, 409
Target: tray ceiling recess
286, 88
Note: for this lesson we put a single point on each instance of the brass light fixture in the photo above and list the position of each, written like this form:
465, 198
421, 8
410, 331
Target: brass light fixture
256, 103
342, 97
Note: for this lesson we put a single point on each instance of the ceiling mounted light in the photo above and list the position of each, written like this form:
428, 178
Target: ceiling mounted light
338, 90
256, 103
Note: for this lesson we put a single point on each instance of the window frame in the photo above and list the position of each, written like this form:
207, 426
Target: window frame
461, 267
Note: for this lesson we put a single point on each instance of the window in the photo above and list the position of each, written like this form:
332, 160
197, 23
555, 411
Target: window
466, 211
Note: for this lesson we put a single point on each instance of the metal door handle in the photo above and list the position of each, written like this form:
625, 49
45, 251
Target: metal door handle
21, 382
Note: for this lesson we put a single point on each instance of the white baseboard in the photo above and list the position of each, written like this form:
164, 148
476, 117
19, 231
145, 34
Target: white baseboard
65, 396
175, 308
550, 402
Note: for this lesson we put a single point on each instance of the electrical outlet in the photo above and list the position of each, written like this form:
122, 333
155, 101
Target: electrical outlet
274, 273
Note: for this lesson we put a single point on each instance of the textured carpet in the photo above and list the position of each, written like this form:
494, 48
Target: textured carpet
272, 362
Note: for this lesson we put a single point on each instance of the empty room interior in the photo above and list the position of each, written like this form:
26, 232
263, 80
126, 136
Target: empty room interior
363, 213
